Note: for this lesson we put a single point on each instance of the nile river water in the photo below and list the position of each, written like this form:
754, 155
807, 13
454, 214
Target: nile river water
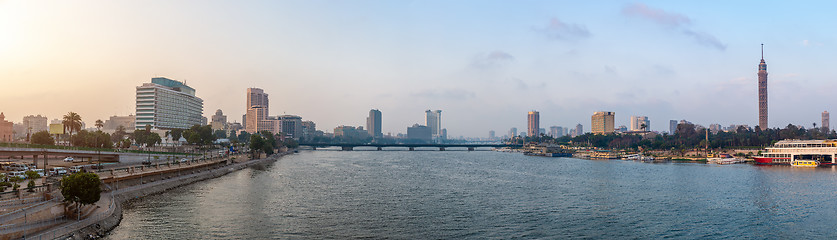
483, 194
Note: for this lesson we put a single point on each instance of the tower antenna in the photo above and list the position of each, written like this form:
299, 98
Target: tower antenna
762, 51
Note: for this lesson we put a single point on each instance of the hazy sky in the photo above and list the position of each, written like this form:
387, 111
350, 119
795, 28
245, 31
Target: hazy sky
483, 63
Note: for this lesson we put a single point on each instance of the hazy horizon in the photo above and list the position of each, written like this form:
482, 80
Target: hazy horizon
485, 64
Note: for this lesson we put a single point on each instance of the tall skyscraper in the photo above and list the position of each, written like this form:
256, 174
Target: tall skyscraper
579, 130
826, 121
491, 134
762, 92
373, 124
167, 104
672, 127
555, 131
433, 120
533, 123
257, 112
602, 122
637, 123
512, 132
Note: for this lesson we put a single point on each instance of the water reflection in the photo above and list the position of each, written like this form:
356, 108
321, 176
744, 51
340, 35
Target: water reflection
431, 194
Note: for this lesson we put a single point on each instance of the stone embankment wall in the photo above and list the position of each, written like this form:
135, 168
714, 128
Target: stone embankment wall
158, 185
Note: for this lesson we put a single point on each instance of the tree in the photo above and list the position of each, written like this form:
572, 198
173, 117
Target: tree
99, 124
233, 137
81, 188
244, 137
119, 134
72, 122
291, 143
31, 175
199, 135
257, 144
146, 137
220, 134
176, 134
42, 138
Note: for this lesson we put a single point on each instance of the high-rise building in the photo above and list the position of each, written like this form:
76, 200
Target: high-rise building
555, 131
491, 134
373, 124
714, 128
433, 120
6, 129
33, 124
566, 131
826, 121
640, 123
762, 92
602, 122
291, 126
219, 121
672, 127
512, 132
419, 132
579, 130
167, 104
533, 122
257, 111
309, 129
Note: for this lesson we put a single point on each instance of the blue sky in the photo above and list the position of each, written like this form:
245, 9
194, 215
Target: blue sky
483, 63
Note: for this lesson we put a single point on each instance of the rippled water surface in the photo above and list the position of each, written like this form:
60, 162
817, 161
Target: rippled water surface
477, 195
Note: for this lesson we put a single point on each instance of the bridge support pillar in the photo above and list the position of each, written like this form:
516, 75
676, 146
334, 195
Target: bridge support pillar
348, 148
412, 149
470, 148
380, 148
441, 148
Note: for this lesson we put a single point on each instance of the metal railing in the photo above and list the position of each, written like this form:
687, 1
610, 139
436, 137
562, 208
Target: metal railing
68, 228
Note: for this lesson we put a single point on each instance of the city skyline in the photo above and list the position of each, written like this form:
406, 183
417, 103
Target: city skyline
664, 60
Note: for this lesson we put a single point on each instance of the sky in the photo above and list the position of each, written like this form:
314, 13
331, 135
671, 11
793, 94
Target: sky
485, 64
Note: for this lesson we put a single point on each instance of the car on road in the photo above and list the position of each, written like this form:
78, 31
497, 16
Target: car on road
183, 160
69, 159
75, 169
57, 171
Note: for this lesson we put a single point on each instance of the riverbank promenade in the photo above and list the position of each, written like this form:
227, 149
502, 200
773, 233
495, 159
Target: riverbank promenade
43, 215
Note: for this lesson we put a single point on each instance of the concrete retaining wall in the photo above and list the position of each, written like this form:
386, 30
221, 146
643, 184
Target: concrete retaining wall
158, 186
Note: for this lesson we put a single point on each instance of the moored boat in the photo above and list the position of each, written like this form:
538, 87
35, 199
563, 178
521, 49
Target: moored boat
805, 163
785, 152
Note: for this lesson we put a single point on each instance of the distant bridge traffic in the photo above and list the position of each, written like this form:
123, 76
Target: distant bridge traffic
409, 146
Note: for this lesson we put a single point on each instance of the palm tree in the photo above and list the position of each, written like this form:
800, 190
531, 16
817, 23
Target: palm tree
99, 124
643, 126
72, 122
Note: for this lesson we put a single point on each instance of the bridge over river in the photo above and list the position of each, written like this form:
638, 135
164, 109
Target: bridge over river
409, 146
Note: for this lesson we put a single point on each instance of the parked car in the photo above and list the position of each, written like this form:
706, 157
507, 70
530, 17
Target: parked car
20, 174
39, 171
57, 171
18, 167
69, 159
183, 160
75, 169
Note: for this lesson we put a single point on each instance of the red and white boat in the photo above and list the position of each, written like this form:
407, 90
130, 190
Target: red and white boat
786, 151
